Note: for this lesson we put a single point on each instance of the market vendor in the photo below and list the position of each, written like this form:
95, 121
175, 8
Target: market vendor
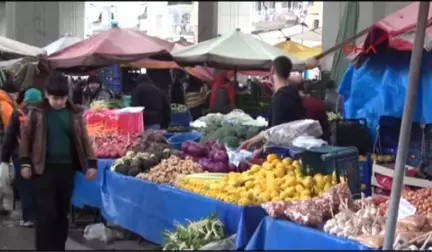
286, 103
222, 96
94, 91
157, 112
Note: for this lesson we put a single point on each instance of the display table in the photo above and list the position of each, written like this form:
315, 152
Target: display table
86, 192
273, 234
148, 209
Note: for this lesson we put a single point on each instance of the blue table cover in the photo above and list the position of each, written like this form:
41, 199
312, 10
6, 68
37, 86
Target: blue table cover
273, 234
148, 209
88, 193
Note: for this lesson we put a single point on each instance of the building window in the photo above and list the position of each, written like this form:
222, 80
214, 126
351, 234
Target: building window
316, 24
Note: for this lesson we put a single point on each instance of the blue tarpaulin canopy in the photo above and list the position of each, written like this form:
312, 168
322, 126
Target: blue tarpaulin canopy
377, 88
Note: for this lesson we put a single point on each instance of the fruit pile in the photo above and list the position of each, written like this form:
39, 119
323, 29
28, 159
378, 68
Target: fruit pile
274, 180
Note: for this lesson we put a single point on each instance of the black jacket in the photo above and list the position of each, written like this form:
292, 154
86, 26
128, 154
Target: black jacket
286, 106
155, 101
12, 134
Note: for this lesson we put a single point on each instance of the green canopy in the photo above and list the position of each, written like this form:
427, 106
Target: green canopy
236, 50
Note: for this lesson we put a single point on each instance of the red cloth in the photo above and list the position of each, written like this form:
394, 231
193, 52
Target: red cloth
315, 110
218, 81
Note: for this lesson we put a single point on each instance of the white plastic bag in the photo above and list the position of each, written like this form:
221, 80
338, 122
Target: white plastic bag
308, 142
5, 177
224, 244
6, 192
102, 233
284, 134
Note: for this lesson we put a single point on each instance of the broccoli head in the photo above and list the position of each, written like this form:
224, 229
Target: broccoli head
229, 131
241, 132
231, 141
252, 131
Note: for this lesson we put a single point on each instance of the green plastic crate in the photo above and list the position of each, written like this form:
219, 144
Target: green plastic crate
327, 159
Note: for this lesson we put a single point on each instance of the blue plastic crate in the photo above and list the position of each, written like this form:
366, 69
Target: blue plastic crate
283, 152
178, 139
181, 119
365, 170
366, 189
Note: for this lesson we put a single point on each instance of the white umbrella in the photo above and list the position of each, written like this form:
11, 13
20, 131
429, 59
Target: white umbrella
60, 44
238, 50
12, 49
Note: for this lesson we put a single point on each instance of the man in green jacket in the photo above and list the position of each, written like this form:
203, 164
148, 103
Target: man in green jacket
54, 145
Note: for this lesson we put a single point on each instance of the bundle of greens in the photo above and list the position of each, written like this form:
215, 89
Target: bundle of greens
195, 235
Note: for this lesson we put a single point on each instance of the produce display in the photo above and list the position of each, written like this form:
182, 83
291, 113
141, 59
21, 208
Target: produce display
178, 108
177, 129
168, 170
105, 104
111, 146
421, 199
274, 180
134, 163
194, 235
150, 142
232, 136
332, 116
211, 156
348, 223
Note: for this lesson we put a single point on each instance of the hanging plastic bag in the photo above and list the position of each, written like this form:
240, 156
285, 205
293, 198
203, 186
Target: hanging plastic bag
102, 233
224, 244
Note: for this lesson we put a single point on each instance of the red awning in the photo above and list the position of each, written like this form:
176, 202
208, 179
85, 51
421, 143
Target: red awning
399, 29
114, 46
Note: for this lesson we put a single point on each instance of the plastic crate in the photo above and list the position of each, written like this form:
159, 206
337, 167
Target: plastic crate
366, 189
365, 169
326, 159
178, 139
181, 119
283, 152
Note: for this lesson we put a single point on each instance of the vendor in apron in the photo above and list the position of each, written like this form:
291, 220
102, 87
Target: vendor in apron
222, 94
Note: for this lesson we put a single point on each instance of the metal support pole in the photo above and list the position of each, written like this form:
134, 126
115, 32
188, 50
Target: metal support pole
405, 132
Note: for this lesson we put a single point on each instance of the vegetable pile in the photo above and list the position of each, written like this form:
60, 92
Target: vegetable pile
348, 223
134, 163
232, 136
111, 146
421, 199
167, 171
195, 235
150, 142
105, 104
211, 156
274, 180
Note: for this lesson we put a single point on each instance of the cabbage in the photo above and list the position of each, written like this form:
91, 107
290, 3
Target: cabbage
232, 168
185, 146
220, 156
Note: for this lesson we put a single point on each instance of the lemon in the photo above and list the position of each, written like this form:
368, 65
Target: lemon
307, 182
290, 168
279, 172
249, 185
299, 188
291, 173
271, 157
327, 186
290, 181
255, 167
287, 161
306, 192
267, 166
290, 191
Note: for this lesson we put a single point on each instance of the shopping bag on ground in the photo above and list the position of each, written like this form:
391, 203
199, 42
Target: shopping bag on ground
5, 177
101, 232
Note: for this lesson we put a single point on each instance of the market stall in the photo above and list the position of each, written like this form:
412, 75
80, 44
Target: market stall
61, 43
102, 50
273, 234
11, 49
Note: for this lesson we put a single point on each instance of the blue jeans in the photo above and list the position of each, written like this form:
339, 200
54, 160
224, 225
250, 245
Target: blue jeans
25, 191
152, 127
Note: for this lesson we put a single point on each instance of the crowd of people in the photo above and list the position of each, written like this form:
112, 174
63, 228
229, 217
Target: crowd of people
45, 135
